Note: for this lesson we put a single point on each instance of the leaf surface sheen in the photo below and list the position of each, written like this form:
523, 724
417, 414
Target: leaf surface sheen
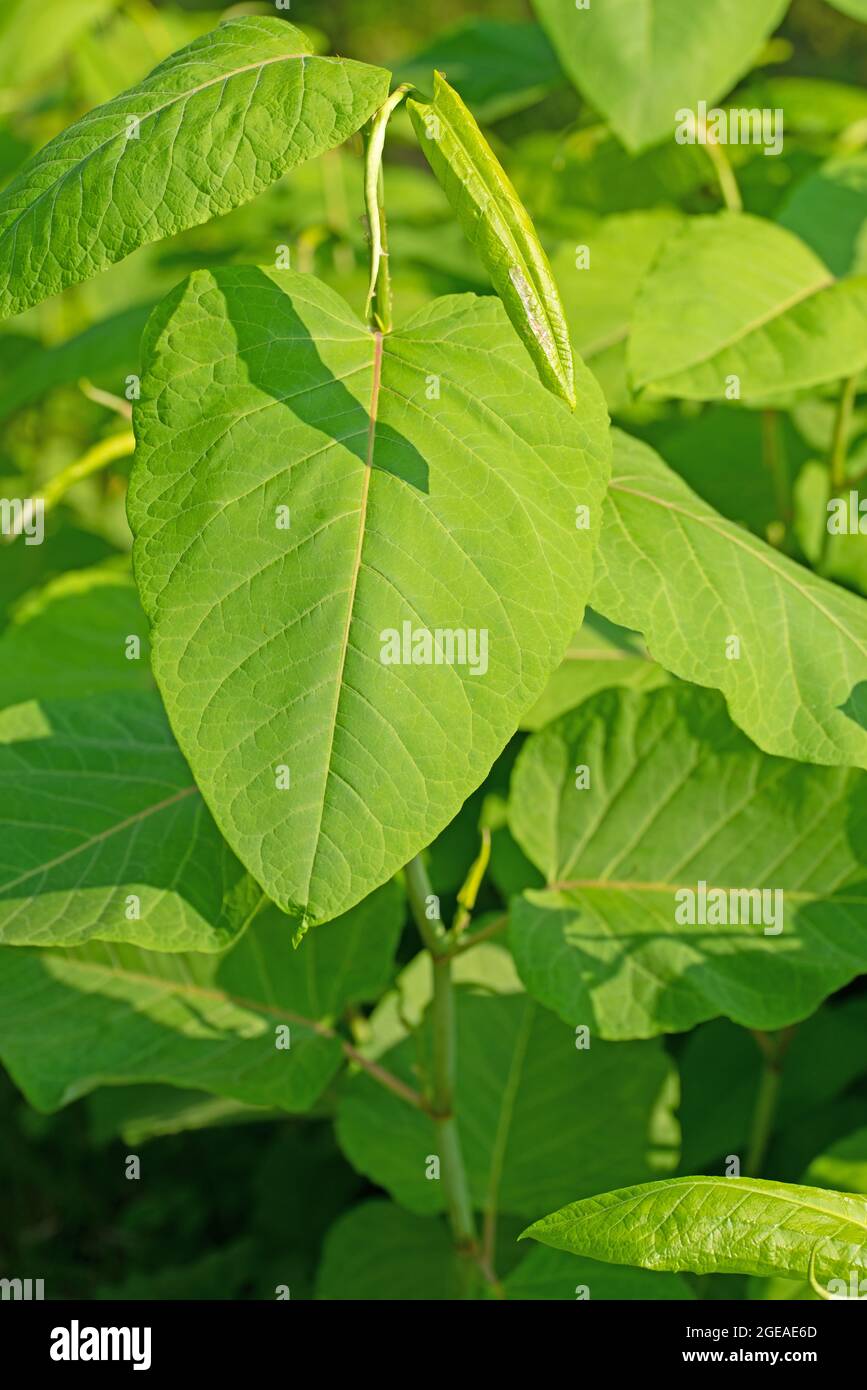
670, 567
217, 122
454, 513
716, 1225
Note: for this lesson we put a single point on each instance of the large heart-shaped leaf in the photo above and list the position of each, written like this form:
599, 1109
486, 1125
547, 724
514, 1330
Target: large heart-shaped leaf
208, 129
121, 1014
103, 834
536, 1114
678, 797
431, 484
639, 63
782, 325
716, 1225
692, 582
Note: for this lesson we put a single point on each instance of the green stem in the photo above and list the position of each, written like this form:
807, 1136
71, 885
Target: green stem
837, 478
773, 1048
840, 437
454, 1174
378, 306
725, 174
100, 456
772, 457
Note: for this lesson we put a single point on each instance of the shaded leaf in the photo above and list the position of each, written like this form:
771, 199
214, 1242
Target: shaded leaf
121, 1014
499, 67
69, 639
105, 835
375, 1252
678, 797
554, 1274
536, 1115
407, 513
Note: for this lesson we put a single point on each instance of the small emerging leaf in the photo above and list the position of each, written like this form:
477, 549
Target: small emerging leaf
716, 1225
498, 226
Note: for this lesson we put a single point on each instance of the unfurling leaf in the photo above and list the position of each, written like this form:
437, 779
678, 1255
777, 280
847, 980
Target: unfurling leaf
210, 127
499, 227
715, 1225
309, 515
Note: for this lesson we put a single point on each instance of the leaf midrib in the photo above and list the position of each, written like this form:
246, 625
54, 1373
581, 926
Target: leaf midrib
722, 530
714, 1184
188, 989
99, 838
353, 589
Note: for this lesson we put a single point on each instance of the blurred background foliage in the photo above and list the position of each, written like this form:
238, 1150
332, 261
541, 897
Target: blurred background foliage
232, 1209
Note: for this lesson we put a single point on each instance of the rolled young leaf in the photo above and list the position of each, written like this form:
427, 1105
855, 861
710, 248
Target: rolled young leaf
499, 227
716, 1225
207, 130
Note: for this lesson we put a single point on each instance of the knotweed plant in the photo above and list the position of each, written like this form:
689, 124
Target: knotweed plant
328, 811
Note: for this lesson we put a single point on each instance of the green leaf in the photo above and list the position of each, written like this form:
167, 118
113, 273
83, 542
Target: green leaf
716, 1225
486, 968
262, 391
599, 297
639, 63
500, 67
672, 568
217, 122
828, 210
553, 1274
140, 1113
121, 1014
856, 9
69, 639
376, 1251
497, 225
601, 655
782, 325
825, 1056
536, 1114
111, 840
34, 37
843, 1166
104, 353
679, 797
